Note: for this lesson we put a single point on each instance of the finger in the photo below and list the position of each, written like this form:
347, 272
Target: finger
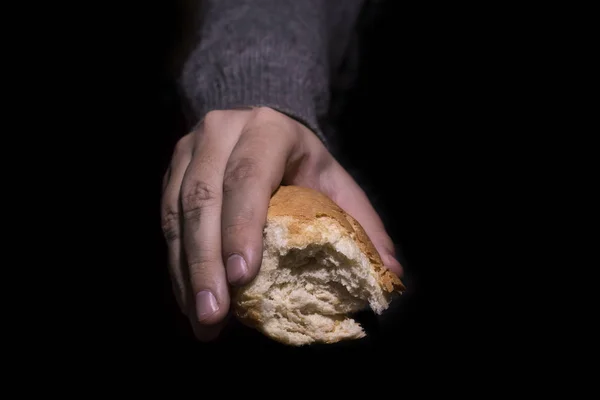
344, 190
171, 220
202, 192
255, 169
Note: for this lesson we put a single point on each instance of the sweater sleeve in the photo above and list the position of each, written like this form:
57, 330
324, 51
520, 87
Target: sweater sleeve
273, 53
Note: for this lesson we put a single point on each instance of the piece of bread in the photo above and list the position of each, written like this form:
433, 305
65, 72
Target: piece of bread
318, 267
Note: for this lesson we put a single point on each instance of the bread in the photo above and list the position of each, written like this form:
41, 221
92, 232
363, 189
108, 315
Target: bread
318, 268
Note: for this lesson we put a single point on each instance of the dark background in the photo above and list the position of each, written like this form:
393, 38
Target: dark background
428, 87
452, 109
453, 106
398, 121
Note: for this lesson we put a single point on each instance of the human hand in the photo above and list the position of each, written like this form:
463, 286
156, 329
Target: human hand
216, 194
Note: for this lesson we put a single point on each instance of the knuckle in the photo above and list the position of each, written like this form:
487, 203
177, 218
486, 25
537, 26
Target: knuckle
182, 146
198, 271
266, 113
263, 127
197, 195
201, 269
214, 119
214, 116
203, 261
239, 222
266, 117
240, 170
170, 223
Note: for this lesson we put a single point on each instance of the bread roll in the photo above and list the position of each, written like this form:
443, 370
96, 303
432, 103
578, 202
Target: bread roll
318, 268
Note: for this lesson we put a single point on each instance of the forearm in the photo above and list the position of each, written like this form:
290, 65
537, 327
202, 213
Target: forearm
274, 53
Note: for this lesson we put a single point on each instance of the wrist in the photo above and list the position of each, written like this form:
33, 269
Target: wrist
256, 76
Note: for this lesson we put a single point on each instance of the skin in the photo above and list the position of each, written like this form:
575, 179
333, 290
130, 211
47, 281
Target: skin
215, 198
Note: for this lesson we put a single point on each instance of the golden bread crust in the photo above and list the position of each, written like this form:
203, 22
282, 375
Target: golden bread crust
305, 205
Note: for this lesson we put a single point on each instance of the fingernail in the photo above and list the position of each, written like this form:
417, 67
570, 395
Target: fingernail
206, 305
236, 268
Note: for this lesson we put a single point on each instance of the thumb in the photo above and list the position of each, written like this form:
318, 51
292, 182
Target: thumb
344, 191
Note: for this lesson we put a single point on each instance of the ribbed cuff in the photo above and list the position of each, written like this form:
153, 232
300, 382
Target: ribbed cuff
256, 79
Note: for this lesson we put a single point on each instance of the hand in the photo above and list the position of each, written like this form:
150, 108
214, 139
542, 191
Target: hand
216, 194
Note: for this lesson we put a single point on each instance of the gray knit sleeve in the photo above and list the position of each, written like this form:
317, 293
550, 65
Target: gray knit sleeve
274, 53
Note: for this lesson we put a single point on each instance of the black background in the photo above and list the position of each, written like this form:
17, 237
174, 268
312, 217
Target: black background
452, 107
415, 133
409, 109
